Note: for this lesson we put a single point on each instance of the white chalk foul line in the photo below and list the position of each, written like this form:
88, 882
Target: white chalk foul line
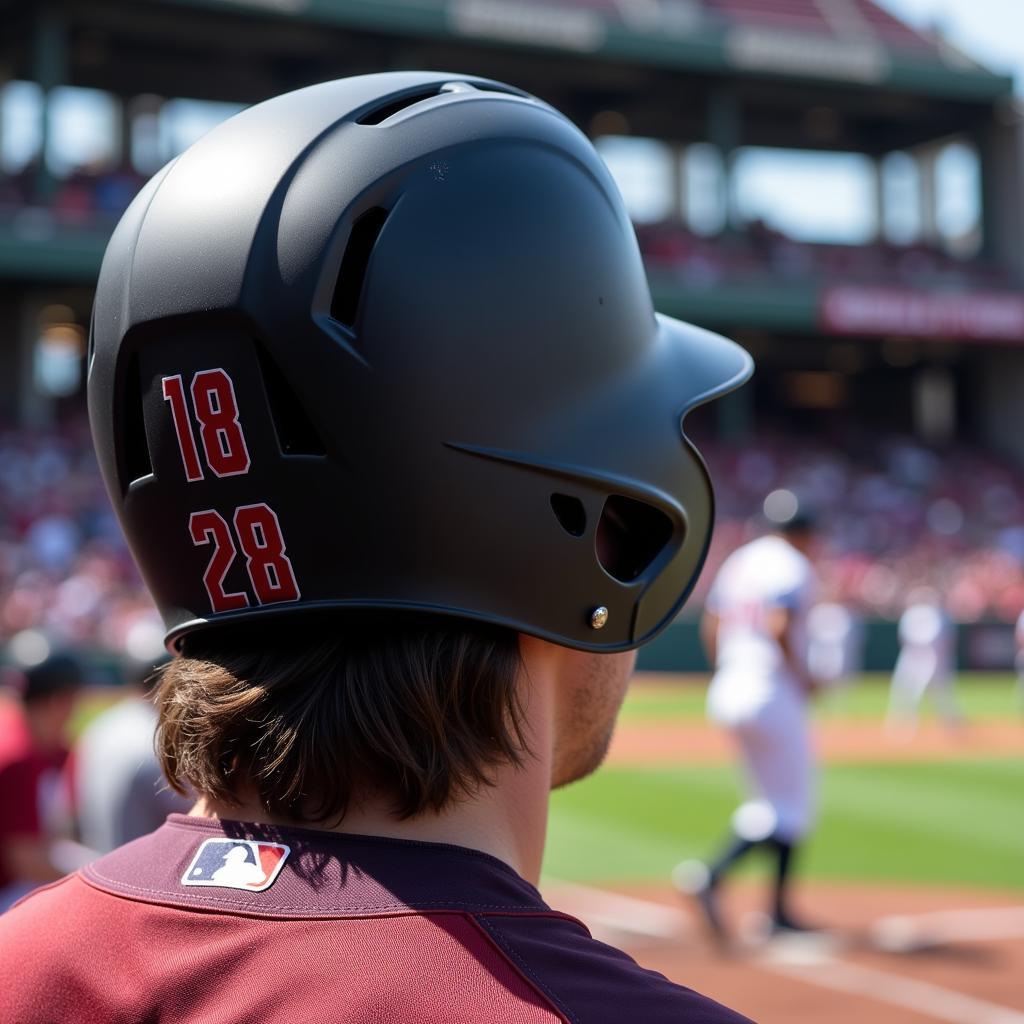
621, 913
920, 996
982, 925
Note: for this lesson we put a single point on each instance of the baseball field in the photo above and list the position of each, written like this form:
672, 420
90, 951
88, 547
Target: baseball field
916, 867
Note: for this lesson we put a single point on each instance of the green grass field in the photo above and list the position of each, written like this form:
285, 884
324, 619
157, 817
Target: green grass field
982, 696
956, 822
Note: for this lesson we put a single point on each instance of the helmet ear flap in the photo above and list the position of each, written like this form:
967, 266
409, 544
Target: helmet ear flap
630, 536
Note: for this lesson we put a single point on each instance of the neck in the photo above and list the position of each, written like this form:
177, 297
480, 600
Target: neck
507, 820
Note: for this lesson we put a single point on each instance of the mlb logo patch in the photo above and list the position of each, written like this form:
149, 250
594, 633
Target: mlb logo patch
236, 864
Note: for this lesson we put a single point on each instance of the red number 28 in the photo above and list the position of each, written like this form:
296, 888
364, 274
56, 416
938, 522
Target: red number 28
259, 536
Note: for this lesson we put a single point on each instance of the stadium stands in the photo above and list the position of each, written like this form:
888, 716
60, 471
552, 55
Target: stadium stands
87, 197
64, 568
763, 254
95, 199
895, 514
724, 74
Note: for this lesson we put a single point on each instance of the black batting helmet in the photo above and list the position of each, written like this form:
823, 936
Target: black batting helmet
387, 343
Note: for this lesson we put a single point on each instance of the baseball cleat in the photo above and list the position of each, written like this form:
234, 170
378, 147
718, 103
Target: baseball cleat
692, 878
786, 924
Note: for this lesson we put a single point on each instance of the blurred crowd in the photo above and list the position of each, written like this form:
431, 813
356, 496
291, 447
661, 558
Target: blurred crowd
894, 516
89, 195
759, 253
64, 567
73, 613
99, 195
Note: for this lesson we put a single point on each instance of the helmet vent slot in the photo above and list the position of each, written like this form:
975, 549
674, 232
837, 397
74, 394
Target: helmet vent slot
136, 461
630, 535
361, 240
296, 434
393, 106
570, 513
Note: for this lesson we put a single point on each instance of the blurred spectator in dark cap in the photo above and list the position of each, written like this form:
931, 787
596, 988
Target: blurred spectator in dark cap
33, 798
120, 792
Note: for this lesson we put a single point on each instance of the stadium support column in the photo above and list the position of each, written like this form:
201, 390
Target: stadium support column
1000, 147
734, 413
678, 209
725, 133
881, 218
997, 401
926, 158
49, 69
10, 326
934, 403
33, 410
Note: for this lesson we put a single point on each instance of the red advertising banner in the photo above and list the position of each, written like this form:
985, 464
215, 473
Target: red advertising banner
853, 309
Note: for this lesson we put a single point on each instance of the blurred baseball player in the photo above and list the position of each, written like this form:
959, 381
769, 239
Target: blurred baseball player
835, 639
395, 436
1018, 635
926, 663
118, 785
35, 814
754, 629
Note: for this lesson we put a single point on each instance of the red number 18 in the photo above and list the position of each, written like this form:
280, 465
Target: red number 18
213, 398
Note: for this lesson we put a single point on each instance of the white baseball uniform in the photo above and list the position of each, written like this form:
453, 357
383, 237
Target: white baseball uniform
754, 691
925, 662
119, 787
833, 643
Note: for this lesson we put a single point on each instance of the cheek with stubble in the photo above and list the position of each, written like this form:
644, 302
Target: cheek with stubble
591, 696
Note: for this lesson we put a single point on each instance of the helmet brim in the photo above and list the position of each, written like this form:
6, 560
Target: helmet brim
704, 365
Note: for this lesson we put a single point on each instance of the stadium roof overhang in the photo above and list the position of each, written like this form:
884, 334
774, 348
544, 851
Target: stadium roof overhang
860, 46
863, 46
870, 85
666, 76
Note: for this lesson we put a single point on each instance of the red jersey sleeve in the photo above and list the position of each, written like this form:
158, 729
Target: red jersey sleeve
19, 798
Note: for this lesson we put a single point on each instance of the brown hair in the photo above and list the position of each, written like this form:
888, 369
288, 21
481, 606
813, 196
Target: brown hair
310, 715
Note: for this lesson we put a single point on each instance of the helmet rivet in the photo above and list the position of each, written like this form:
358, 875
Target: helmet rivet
598, 617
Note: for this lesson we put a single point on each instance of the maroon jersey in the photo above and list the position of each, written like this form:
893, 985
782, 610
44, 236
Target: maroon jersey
206, 922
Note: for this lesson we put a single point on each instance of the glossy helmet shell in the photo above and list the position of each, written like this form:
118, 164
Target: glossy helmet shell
417, 303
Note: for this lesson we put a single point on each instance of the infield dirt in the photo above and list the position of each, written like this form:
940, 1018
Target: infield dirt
974, 979
696, 742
